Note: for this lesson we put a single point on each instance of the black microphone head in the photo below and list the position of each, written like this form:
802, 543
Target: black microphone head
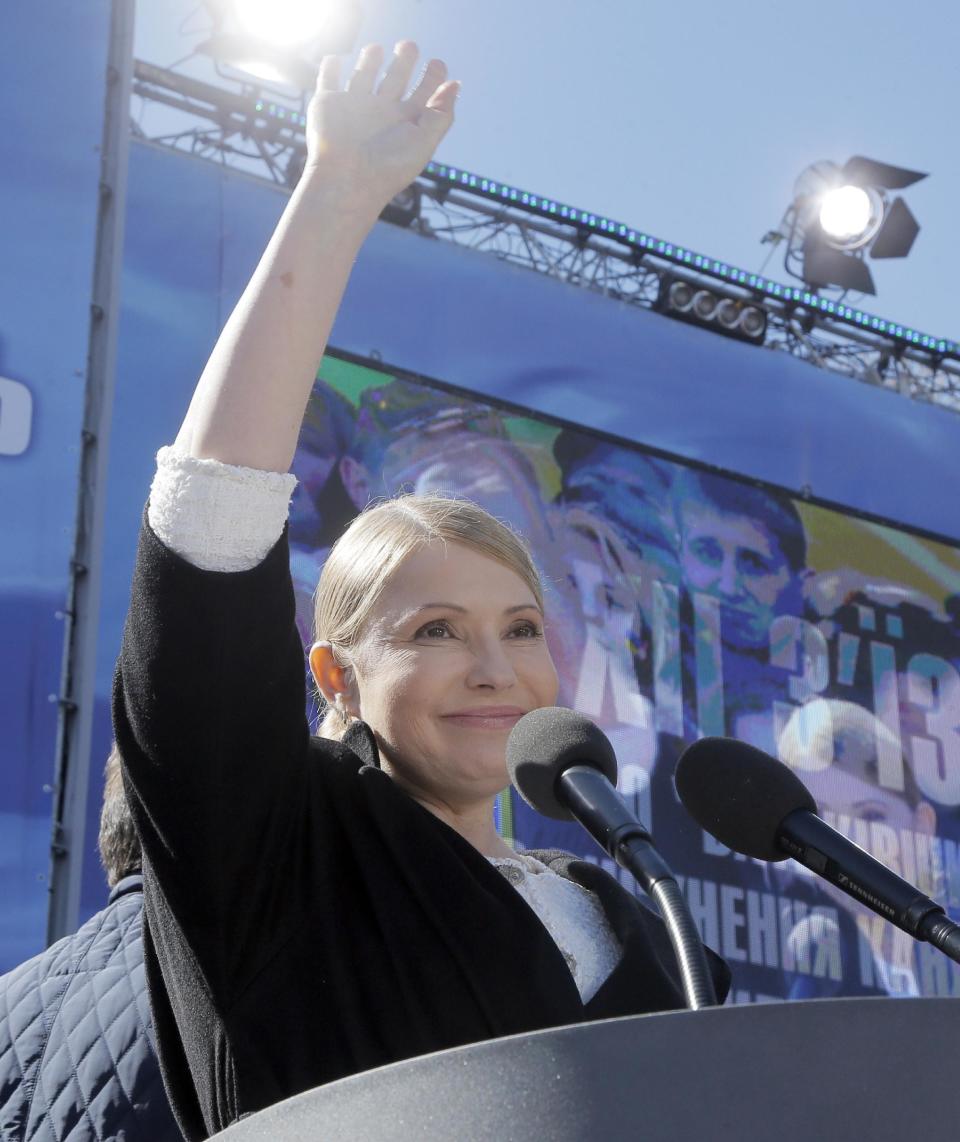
739, 794
548, 741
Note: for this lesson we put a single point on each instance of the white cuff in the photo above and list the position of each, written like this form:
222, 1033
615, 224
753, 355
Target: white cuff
219, 517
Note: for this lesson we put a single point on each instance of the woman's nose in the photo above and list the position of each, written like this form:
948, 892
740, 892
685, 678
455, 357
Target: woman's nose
491, 666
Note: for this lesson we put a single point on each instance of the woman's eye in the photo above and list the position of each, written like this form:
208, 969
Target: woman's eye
434, 630
526, 630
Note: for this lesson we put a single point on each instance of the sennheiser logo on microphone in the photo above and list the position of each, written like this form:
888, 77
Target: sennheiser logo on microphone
851, 886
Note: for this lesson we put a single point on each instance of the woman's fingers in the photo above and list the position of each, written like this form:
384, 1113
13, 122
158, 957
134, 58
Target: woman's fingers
368, 68
328, 77
433, 75
445, 97
436, 119
396, 80
430, 92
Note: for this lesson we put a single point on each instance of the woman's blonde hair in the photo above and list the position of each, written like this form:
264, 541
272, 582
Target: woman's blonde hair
364, 558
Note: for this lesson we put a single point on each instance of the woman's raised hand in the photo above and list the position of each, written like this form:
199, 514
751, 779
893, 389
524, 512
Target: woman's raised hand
365, 143
372, 137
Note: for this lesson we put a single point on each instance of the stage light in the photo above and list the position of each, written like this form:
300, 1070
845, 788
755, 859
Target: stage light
753, 322
272, 66
280, 42
681, 296
728, 313
846, 215
696, 305
704, 304
896, 236
282, 23
840, 215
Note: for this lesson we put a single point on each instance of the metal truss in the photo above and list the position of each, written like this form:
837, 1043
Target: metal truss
220, 125
248, 131
603, 267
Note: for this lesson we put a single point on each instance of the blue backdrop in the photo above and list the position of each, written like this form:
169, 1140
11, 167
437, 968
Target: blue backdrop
52, 60
194, 232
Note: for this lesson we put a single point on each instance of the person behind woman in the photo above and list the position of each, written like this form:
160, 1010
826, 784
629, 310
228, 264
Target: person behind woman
318, 906
78, 1061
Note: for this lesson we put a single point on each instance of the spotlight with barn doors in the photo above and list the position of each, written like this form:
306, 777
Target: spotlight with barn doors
282, 23
280, 42
850, 216
733, 316
840, 216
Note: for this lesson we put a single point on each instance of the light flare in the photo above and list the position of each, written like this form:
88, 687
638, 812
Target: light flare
282, 23
845, 213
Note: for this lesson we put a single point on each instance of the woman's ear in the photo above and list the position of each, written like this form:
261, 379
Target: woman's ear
334, 680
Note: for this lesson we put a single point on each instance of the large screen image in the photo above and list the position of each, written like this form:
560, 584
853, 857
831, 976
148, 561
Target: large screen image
683, 603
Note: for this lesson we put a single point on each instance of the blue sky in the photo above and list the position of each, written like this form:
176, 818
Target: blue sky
690, 121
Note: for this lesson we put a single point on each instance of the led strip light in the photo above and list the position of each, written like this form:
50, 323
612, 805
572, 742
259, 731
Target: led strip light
645, 243
680, 255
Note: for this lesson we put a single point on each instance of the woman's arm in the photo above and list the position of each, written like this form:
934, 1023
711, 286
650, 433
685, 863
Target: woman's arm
209, 706
364, 144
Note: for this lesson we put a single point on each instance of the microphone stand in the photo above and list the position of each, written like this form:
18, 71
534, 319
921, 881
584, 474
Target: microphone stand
599, 808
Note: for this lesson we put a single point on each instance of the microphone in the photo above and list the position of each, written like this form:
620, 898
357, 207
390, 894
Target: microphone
564, 767
758, 806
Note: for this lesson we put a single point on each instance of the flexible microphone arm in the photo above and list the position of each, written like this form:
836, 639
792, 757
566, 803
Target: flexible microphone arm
596, 804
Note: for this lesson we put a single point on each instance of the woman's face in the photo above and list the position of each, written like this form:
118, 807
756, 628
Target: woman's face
453, 656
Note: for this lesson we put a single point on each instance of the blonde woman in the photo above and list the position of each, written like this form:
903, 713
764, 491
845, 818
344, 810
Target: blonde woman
318, 906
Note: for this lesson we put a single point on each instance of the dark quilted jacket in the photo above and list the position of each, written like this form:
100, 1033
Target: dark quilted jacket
77, 1058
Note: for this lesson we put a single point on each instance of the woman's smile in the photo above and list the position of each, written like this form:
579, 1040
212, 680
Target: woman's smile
485, 717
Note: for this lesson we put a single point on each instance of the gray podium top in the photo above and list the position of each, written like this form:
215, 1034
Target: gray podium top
879, 1069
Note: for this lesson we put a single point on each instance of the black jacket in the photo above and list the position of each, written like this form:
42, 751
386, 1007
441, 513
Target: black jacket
306, 919
77, 1059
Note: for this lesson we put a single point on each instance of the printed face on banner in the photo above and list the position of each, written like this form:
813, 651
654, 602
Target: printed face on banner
683, 603
737, 561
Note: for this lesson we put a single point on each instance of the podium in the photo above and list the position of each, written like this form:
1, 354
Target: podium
837, 1069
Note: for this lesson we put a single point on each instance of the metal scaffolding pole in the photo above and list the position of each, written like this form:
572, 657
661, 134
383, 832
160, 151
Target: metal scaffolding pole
76, 698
